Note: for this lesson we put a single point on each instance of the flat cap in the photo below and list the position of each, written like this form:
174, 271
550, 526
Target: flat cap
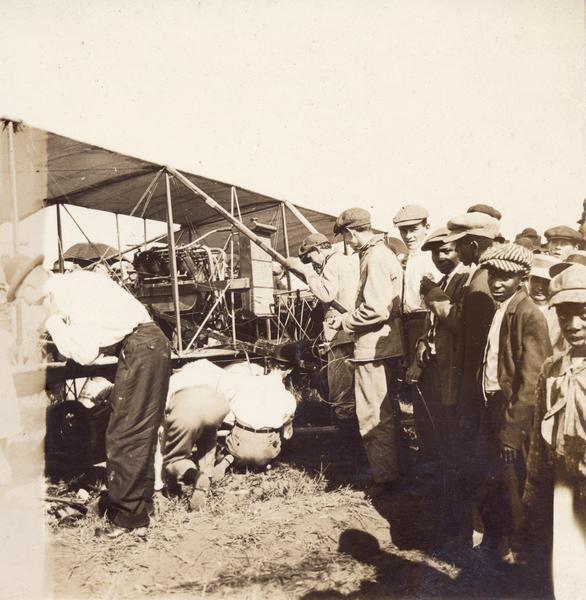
510, 258
486, 209
439, 236
565, 232
410, 215
352, 217
542, 263
568, 286
311, 242
474, 223
578, 257
530, 234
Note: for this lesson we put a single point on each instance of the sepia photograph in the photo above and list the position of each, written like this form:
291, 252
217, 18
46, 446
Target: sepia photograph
293, 300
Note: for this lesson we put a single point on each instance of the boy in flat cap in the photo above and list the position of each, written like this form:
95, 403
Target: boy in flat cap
562, 240
437, 349
377, 342
333, 276
556, 478
538, 287
517, 346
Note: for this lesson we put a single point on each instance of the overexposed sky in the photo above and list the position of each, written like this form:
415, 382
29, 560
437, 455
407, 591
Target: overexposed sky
329, 104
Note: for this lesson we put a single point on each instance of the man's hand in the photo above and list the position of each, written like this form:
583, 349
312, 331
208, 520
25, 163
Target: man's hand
427, 284
413, 374
421, 354
294, 263
508, 454
335, 322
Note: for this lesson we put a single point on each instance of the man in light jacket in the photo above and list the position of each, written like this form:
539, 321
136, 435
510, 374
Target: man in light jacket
377, 342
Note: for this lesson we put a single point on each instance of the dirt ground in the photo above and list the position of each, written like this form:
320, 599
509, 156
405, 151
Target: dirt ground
299, 530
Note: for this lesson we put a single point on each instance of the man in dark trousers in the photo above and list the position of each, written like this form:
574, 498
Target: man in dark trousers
516, 348
471, 316
89, 315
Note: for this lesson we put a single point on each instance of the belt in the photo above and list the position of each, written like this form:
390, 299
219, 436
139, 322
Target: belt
253, 430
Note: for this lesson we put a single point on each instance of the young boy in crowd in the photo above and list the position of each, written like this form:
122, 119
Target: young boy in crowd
557, 457
516, 348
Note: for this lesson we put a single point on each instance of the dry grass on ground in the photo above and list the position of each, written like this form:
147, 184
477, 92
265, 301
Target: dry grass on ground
268, 535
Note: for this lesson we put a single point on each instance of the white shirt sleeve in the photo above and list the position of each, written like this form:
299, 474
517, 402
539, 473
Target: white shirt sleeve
74, 342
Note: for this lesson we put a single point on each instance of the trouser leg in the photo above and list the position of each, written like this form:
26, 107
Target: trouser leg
379, 418
188, 444
341, 381
138, 401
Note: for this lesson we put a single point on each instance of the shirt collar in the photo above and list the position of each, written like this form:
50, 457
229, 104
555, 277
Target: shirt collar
376, 239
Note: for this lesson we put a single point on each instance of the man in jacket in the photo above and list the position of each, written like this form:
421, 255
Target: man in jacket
377, 341
516, 348
437, 349
333, 276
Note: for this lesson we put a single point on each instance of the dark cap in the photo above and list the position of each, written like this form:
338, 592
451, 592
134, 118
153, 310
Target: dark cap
311, 242
491, 211
410, 215
564, 232
574, 258
352, 217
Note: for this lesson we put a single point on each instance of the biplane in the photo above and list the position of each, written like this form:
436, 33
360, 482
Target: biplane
217, 285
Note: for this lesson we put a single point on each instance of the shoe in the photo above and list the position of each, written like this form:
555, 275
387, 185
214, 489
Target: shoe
198, 500
112, 531
382, 488
220, 469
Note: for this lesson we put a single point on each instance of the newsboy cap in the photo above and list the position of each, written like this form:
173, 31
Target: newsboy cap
439, 236
311, 242
474, 223
564, 232
577, 257
410, 215
530, 234
542, 265
486, 209
568, 286
510, 258
352, 217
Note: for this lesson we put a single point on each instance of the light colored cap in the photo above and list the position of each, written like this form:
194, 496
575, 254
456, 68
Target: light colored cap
568, 286
311, 242
474, 223
439, 236
542, 263
410, 215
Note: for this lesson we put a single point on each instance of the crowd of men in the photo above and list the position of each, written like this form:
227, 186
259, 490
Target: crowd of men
489, 335
473, 320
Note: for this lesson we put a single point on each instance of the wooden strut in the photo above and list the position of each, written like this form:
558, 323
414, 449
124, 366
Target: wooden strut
243, 229
173, 263
300, 216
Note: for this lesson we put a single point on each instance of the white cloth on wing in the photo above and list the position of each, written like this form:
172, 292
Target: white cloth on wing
93, 312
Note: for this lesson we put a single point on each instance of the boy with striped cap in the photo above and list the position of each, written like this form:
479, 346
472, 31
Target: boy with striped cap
517, 346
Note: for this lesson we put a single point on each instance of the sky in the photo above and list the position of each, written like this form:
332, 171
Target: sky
327, 104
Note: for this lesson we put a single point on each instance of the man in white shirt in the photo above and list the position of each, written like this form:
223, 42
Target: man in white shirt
412, 223
203, 395
89, 315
